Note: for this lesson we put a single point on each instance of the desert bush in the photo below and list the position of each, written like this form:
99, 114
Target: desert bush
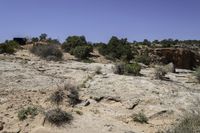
25, 112
4, 48
35, 39
53, 41
72, 94
133, 69
82, 52
144, 58
116, 49
197, 74
57, 97
127, 69
77, 46
48, 52
9, 47
119, 68
73, 41
58, 117
68, 91
43, 36
140, 117
189, 124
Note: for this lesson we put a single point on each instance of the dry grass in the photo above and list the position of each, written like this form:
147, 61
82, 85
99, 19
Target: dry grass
58, 117
48, 52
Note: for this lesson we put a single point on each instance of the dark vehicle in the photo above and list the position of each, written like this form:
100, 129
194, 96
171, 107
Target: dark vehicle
21, 41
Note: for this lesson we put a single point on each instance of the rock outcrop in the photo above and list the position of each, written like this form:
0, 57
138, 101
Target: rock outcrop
181, 58
109, 101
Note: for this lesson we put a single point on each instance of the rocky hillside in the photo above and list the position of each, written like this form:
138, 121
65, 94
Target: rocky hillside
109, 102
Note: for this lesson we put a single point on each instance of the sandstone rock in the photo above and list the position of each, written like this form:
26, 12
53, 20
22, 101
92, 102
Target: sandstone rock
128, 95
112, 98
182, 58
131, 104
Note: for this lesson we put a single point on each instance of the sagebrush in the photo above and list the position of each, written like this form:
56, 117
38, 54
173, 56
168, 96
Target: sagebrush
9, 47
58, 117
48, 51
127, 69
25, 112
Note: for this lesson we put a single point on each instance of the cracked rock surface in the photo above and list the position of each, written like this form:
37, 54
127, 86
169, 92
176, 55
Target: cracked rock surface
26, 80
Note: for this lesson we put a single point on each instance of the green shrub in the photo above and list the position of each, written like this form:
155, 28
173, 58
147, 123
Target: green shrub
116, 49
48, 52
35, 39
127, 69
73, 41
58, 117
145, 59
133, 69
140, 117
24, 113
9, 47
82, 52
43, 36
77, 46
57, 97
197, 74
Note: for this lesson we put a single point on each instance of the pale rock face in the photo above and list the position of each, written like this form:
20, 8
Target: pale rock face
113, 98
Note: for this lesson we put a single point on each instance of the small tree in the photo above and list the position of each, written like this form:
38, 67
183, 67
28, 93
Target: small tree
35, 39
48, 52
82, 52
43, 36
146, 42
73, 41
117, 49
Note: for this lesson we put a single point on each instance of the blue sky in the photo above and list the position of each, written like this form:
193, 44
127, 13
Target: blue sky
98, 20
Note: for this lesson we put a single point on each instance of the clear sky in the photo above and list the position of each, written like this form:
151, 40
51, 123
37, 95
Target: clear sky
98, 20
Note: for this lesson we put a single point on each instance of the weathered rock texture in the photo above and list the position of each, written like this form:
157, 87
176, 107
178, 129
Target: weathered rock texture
25, 80
182, 58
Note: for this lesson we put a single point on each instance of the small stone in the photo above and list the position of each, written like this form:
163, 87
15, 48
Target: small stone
98, 99
27, 124
86, 103
131, 104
